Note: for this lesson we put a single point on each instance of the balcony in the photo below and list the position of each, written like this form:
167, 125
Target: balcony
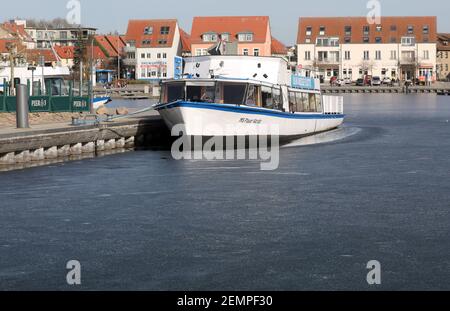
327, 61
129, 61
407, 60
129, 49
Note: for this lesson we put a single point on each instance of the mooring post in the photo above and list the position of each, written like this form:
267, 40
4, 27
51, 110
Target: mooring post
22, 108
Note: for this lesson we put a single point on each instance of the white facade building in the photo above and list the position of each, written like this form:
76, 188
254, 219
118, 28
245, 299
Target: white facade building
355, 49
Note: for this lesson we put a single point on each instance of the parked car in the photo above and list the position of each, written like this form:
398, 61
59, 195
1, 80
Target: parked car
376, 81
347, 81
360, 82
387, 81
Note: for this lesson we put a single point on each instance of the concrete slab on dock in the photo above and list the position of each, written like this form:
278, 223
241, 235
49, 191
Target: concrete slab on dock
147, 127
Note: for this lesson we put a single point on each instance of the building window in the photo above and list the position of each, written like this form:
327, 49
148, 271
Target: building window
309, 31
347, 55
393, 40
245, 37
410, 29
378, 40
426, 55
348, 40
143, 55
308, 40
149, 55
366, 55
348, 30
158, 56
393, 55
210, 37
366, 40
322, 31
164, 55
148, 30
256, 52
393, 27
225, 37
165, 30
379, 28
426, 29
146, 42
366, 30
408, 41
378, 55
143, 72
162, 41
307, 55
149, 74
63, 35
245, 52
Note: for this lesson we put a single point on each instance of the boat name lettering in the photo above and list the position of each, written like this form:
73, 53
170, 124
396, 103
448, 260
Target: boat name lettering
250, 121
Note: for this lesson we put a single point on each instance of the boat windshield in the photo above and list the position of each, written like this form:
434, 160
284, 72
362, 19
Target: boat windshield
223, 92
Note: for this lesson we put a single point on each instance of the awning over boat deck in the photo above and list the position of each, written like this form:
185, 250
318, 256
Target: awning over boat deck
200, 83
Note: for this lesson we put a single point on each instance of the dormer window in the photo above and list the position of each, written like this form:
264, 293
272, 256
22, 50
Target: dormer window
165, 30
322, 31
210, 37
162, 42
148, 30
225, 37
245, 37
146, 42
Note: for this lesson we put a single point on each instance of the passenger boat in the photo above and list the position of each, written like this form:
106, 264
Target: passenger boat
246, 96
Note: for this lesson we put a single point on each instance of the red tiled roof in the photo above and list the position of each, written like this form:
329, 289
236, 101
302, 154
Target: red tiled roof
17, 30
33, 55
97, 53
185, 41
136, 30
233, 25
335, 26
4, 43
442, 38
65, 52
117, 42
278, 48
111, 44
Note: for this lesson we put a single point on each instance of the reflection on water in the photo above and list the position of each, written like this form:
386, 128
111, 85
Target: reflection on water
326, 137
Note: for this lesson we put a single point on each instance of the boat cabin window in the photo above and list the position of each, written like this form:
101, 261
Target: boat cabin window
173, 92
267, 97
304, 102
234, 93
277, 101
252, 95
201, 92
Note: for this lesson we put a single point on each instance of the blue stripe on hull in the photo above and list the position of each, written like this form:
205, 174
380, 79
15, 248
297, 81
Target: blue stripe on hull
248, 110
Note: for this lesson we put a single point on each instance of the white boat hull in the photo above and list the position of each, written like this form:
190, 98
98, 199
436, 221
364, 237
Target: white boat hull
200, 119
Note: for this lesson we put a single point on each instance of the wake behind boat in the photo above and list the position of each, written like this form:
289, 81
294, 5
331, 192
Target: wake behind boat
246, 96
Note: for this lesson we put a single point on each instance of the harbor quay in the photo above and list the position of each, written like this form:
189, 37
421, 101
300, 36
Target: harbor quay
63, 141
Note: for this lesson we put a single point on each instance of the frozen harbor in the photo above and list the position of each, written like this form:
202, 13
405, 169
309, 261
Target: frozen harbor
378, 189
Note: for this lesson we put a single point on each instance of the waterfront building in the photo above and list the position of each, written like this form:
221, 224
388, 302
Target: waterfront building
401, 48
443, 60
153, 49
240, 35
45, 38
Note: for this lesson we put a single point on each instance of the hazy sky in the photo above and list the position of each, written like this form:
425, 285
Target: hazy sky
112, 15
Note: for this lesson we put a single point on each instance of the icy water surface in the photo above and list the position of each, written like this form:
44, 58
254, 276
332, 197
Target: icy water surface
378, 189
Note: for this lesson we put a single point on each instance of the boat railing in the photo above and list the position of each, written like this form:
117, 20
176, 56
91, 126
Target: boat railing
333, 104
